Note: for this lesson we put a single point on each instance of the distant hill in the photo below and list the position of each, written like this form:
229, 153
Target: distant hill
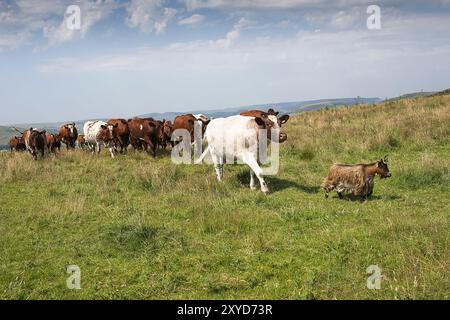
283, 107
421, 94
414, 95
442, 93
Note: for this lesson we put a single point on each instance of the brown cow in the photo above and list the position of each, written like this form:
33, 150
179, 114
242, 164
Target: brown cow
68, 134
81, 141
187, 122
17, 144
144, 133
122, 138
35, 142
165, 133
53, 142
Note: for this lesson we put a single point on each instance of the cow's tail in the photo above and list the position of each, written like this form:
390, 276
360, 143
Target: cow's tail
199, 160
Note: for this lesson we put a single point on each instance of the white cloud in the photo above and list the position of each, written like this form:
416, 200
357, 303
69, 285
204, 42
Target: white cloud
233, 35
161, 25
149, 15
289, 4
29, 17
192, 20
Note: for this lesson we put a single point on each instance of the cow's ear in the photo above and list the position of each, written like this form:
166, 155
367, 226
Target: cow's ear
284, 119
116, 125
103, 127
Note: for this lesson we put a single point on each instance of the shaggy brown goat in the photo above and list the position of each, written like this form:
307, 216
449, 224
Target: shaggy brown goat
355, 179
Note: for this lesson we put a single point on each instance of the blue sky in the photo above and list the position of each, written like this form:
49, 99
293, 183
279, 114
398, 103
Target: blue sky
139, 56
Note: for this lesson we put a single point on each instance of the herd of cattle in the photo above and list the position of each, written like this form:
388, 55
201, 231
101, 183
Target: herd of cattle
116, 134
148, 134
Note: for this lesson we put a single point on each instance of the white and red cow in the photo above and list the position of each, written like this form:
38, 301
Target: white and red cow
97, 133
223, 136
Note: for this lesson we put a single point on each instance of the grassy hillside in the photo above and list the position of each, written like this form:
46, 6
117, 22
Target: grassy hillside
144, 228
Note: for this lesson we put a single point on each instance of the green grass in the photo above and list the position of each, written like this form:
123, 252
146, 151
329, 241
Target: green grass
143, 228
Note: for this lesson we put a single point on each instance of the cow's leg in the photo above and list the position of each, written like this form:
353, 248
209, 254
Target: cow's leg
34, 153
218, 165
253, 164
154, 147
111, 149
92, 147
98, 148
121, 144
252, 180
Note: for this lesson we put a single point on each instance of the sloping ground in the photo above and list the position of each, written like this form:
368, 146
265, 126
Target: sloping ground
442, 93
145, 228
5, 135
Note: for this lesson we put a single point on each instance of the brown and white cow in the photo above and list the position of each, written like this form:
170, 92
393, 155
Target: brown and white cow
53, 142
17, 144
68, 134
81, 141
97, 133
35, 142
144, 133
224, 134
122, 139
265, 115
187, 122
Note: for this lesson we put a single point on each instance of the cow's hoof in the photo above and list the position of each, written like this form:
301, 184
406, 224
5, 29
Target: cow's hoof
253, 188
266, 192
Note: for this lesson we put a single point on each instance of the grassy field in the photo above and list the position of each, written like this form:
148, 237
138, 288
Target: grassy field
143, 228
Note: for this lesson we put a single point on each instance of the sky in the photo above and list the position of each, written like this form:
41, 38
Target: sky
127, 58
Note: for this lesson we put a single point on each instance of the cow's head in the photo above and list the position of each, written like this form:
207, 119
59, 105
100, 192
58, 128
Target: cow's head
108, 132
36, 136
272, 122
70, 127
167, 129
382, 168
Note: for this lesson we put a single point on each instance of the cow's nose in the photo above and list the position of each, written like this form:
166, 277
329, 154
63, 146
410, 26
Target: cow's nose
389, 174
283, 137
